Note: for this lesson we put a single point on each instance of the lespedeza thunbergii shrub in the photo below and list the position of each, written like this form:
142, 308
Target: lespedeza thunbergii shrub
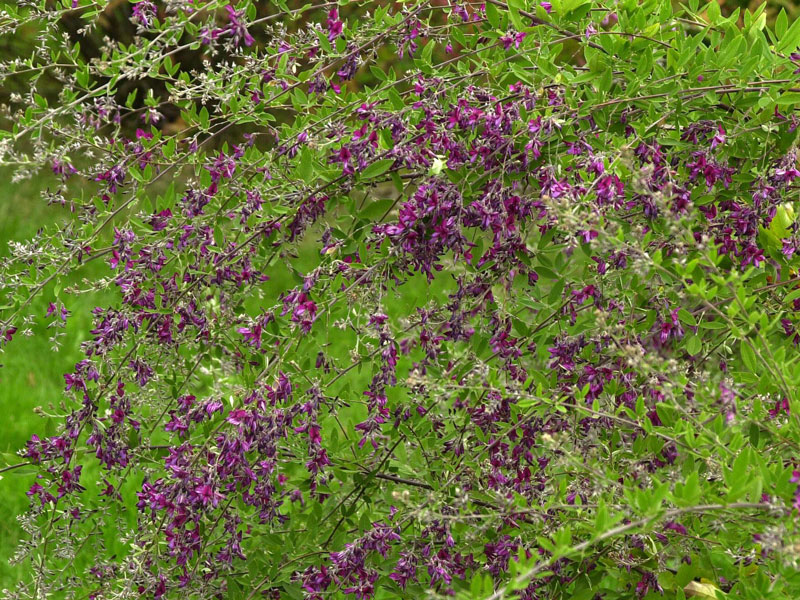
414, 299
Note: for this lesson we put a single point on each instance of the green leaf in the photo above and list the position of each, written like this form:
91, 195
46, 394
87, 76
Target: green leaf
792, 296
781, 23
377, 72
398, 182
693, 345
514, 6
395, 99
713, 325
379, 167
437, 166
82, 76
688, 494
492, 15
712, 9
204, 118
790, 40
781, 222
749, 356
686, 317
759, 23
427, 51
169, 147
523, 75
740, 465
375, 209
736, 478
305, 169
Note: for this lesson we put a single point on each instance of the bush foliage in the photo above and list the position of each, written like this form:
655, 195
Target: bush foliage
413, 299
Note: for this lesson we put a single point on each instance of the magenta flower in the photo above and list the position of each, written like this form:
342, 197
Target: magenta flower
334, 25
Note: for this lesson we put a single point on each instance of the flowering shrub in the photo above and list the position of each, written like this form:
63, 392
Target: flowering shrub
486, 300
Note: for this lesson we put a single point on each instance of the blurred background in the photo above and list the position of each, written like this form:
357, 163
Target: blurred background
31, 374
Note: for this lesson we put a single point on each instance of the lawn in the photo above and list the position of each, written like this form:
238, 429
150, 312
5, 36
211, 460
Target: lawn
32, 371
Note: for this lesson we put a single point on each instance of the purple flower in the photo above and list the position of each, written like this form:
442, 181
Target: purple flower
727, 400
781, 407
144, 12
647, 583
142, 371
676, 527
206, 494
512, 40
405, 570
114, 176
63, 169
236, 29
213, 406
159, 221
38, 491
670, 328
610, 19
719, 137
334, 25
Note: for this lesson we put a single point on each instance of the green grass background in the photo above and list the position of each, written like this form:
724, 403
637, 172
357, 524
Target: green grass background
32, 372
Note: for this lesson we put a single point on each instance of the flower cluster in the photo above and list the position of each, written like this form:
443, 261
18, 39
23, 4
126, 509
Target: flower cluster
488, 300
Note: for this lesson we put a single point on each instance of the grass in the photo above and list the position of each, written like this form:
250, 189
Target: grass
32, 372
